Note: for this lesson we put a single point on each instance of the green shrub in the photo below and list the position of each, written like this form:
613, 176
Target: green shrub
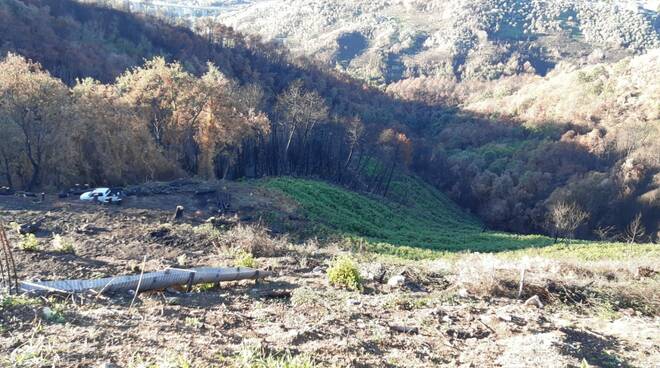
245, 259
344, 273
29, 243
62, 244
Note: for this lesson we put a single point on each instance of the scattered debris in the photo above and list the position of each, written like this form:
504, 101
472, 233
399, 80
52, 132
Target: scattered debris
646, 272
6, 191
205, 191
273, 294
223, 222
29, 228
373, 272
102, 195
405, 329
160, 232
535, 300
396, 281
89, 229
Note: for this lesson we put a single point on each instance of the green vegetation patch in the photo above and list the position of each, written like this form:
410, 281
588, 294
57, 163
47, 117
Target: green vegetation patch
417, 222
415, 216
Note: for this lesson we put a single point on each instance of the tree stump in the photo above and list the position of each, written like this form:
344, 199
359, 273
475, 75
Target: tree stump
178, 213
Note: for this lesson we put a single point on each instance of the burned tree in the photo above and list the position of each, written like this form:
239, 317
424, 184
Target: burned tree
33, 106
564, 218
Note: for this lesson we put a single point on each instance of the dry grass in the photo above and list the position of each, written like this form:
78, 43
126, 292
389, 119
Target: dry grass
622, 284
254, 239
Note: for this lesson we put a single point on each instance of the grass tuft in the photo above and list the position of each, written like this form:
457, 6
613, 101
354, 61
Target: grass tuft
245, 259
251, 356
63, 245
29, 243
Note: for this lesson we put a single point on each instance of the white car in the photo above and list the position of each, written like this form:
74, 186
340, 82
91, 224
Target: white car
102, 195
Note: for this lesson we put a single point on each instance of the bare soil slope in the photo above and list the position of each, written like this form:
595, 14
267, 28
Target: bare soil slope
459, 312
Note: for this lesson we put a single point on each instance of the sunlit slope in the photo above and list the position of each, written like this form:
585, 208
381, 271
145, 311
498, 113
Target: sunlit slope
414, 215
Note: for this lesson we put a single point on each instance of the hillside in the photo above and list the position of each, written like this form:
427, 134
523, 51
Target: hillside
175, 193
443, 308
416, 216
384, 41
508, 161
417, 222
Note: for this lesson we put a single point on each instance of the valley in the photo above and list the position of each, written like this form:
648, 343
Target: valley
443, 183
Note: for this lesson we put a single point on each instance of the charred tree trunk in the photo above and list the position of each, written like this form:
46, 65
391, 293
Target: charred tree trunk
178, 214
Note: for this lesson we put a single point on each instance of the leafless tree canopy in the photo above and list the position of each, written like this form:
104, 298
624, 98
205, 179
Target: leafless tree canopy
565, 218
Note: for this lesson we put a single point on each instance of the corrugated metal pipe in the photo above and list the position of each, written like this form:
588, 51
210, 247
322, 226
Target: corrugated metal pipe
146, 281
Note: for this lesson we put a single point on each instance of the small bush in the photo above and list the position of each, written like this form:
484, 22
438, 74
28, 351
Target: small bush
15, 226
344, 273
55, 313
62, 244
29, 243
245, 259
193, 322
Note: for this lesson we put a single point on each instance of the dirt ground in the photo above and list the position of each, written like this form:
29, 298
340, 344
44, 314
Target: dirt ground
433, 318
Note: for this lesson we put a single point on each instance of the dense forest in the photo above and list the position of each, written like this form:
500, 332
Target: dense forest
90, 94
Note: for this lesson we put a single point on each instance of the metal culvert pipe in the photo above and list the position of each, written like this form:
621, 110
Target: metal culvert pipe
147, 281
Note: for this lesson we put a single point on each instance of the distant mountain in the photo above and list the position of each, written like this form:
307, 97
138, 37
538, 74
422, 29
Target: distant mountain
385, 41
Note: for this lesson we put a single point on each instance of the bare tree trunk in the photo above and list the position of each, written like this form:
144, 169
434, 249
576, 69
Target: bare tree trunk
389, 179
7, 172
288, 143
350, 157
36, 172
